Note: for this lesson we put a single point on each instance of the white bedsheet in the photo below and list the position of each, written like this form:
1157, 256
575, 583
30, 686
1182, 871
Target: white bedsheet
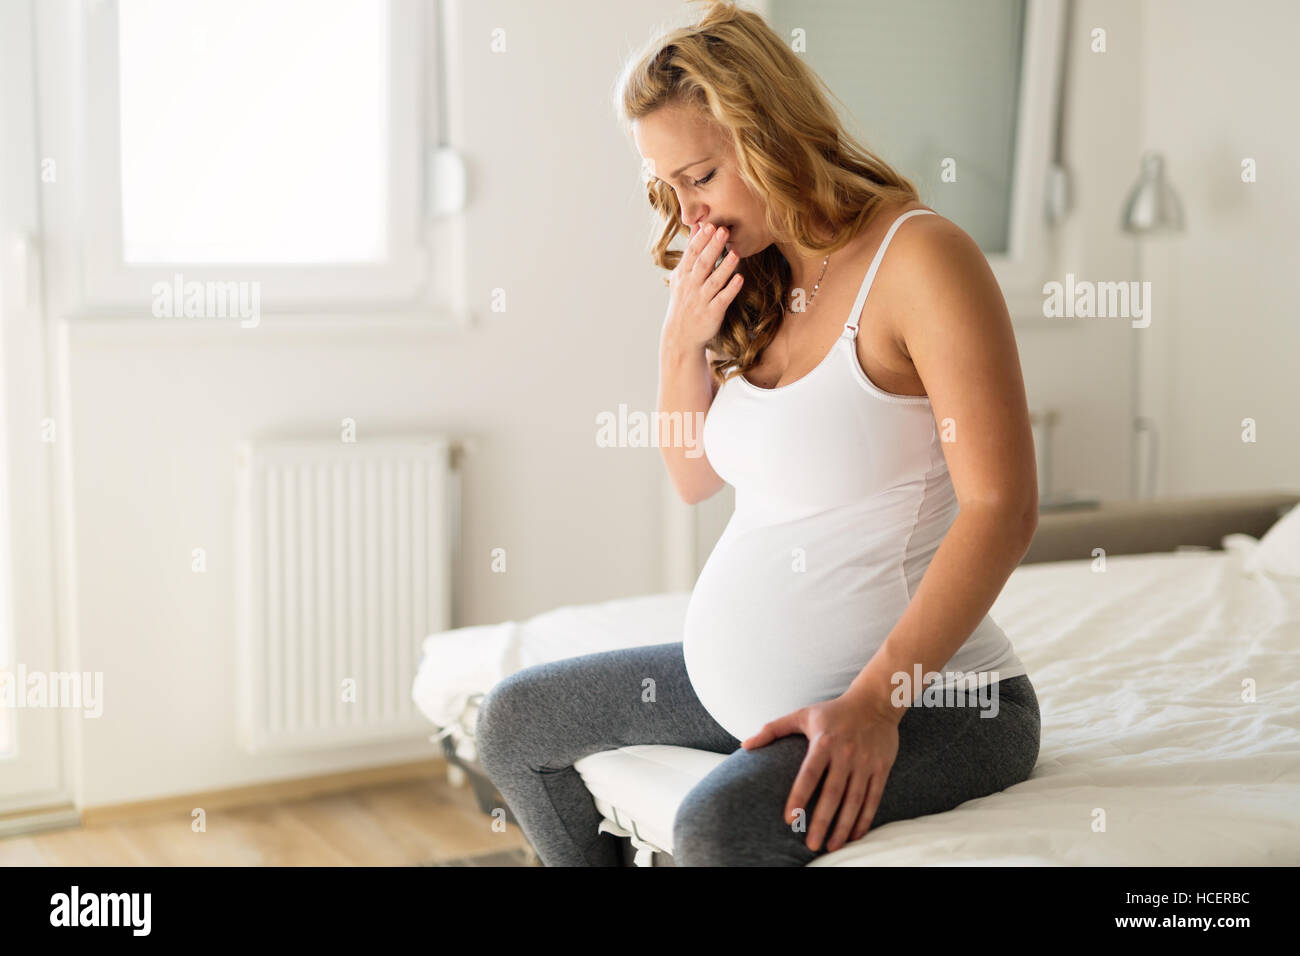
458, 665
1139, 671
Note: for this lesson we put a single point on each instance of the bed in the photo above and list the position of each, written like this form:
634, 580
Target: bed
1169, 682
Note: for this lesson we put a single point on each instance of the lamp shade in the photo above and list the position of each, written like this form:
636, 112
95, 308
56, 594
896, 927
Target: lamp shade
1152, 205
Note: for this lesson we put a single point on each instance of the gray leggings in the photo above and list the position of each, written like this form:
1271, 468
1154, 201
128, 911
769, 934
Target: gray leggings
533, 725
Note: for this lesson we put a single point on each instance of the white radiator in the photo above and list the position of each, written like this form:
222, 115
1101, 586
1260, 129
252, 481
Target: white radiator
345, 561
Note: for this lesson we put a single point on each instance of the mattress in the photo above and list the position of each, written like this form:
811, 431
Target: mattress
1170, 692
458, 666
1153, 752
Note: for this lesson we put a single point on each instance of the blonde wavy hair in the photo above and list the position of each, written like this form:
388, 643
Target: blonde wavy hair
790, 147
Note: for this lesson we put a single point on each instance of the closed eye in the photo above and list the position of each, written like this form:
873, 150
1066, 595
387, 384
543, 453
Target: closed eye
700, 182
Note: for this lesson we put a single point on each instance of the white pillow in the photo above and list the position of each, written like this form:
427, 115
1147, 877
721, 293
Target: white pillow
1279, 550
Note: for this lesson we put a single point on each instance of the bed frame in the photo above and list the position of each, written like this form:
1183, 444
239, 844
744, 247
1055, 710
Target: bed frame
1161, 524
1121, 527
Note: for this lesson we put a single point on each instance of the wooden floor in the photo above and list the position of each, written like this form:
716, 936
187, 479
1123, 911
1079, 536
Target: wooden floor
413, 823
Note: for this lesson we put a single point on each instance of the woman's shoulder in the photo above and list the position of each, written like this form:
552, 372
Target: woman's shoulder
889, 214
932, 267
878, 226
929, 246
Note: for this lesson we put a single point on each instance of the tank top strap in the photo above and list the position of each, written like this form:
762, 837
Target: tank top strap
851, 326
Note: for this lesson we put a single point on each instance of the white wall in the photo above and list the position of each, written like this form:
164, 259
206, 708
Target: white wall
1219, 84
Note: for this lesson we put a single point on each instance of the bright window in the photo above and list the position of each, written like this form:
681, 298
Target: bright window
285, 146
253, 132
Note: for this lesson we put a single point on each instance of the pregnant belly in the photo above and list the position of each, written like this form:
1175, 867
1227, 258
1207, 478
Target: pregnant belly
770, 629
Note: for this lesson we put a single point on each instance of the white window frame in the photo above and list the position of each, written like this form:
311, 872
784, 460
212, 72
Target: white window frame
38, 774
414, 281
1033, 255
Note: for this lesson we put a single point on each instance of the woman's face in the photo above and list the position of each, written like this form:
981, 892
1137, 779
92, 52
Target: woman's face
695, 158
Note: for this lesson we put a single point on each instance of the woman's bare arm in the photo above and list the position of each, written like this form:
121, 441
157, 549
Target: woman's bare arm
698, 298
685, 388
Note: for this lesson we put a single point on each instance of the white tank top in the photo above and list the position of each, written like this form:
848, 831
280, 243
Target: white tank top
842, 498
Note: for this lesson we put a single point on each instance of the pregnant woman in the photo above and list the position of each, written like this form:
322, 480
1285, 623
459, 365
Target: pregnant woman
870, 413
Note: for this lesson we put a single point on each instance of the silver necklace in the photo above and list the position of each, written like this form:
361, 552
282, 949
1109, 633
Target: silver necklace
817, 284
